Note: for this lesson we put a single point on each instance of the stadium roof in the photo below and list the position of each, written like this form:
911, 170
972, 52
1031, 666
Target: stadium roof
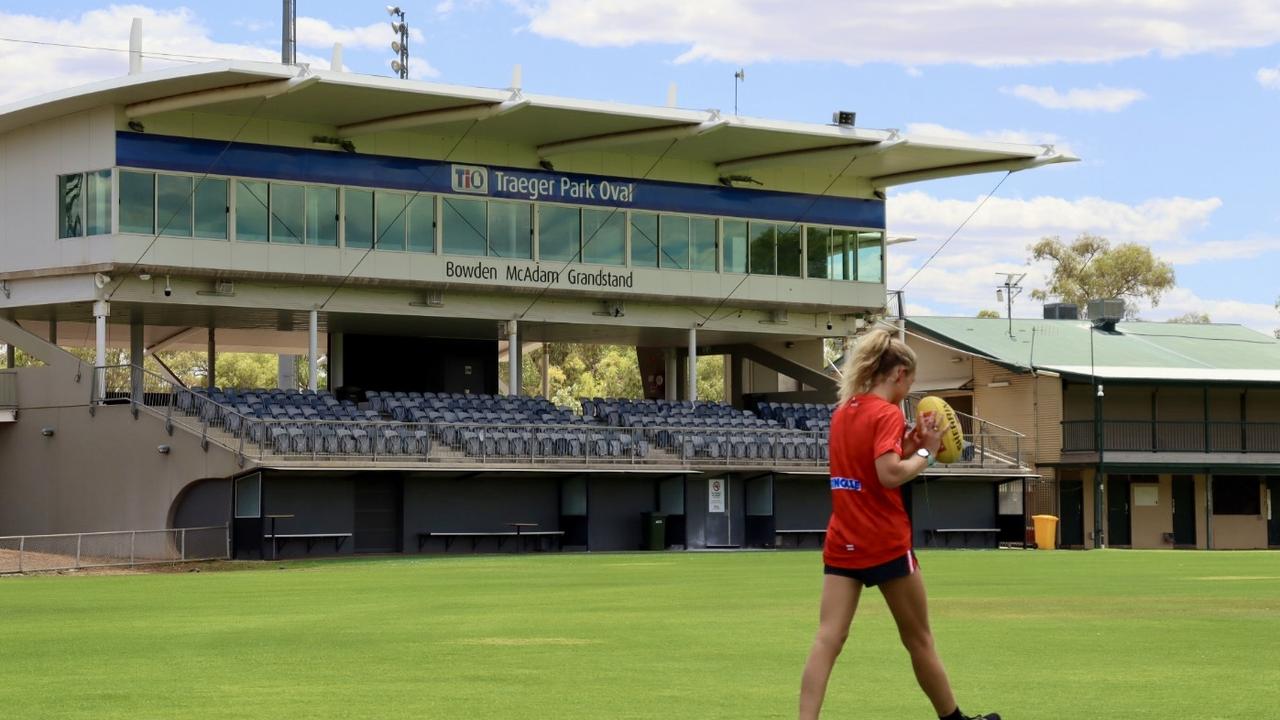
1134, 351
357, 105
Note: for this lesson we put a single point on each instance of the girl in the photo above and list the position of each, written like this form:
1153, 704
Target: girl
869, 537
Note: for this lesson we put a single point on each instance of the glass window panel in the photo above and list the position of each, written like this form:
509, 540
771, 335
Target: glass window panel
70, 205
465, 227
735, 246
357, 226
391, 220
870, 257
789, 250
604, 236
422, 223
674, 234
251, 211
288, 213
818, 251
249, 496
843, 261
511, 230
763, 245
322, 216
559, 233
211, 209
703, 237
644, 240
137, 202
173, 204
98, 202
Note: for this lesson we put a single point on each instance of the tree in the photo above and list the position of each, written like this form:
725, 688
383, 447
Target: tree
1191, 318
1090, 269
988, 313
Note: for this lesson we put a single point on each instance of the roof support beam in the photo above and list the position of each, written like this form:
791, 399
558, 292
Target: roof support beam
792, 157
248, 91
633, 137
477, 112
1014, 165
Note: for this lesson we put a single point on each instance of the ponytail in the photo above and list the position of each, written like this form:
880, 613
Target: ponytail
877, 354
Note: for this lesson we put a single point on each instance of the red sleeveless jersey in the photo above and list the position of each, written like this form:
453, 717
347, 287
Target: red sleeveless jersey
869, 525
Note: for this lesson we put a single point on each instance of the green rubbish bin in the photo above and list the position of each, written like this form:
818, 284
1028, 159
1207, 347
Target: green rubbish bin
653, 529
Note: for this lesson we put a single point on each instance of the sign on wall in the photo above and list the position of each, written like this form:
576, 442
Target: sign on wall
715, 502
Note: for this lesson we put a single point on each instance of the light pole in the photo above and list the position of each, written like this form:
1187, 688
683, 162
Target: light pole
401, 47
1007, 292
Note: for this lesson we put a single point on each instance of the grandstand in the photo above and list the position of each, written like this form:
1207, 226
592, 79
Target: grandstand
416, 235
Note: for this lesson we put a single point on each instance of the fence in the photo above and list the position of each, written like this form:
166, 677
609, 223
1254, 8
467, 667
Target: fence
1172, 436
125, 548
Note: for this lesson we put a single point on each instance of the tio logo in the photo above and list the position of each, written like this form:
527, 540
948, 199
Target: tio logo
470, 179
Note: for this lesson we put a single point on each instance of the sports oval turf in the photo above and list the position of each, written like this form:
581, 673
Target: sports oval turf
1110, 634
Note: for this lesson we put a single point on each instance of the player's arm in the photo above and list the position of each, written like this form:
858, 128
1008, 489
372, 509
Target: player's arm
895, 470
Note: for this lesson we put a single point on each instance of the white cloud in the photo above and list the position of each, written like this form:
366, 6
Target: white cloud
314, 32
912, 32
1021, 137
1106, 99
961, 280
1269, 78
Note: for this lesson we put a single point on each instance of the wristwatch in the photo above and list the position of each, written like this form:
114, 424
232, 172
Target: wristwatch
928, 456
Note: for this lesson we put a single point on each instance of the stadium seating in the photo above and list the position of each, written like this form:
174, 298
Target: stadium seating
486, 427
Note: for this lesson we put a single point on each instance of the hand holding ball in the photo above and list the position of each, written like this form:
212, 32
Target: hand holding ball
948, 424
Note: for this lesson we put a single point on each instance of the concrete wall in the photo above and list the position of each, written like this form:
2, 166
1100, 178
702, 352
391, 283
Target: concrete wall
318, 503
941, 504
614, 506
1149, 523
484, 503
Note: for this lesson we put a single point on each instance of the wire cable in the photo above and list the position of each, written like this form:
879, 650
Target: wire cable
184, 57
955, 232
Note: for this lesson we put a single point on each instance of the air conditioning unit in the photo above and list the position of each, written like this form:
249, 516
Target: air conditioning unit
1106, 313
1061, 311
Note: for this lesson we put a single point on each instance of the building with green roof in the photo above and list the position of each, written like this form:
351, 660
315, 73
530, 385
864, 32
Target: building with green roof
1181, 422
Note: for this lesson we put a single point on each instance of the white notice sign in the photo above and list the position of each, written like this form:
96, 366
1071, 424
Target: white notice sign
715, 502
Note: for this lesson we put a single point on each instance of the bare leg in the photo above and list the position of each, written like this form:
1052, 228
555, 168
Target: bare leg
839, 602
907, 601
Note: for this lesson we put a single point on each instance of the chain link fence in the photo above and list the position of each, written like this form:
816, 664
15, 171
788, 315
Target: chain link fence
123, 548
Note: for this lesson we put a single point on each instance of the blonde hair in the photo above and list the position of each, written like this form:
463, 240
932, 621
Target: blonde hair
878, 353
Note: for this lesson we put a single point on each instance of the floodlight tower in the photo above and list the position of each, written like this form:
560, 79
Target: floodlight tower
401, 46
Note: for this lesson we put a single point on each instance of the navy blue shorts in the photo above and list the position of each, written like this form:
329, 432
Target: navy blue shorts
897, 568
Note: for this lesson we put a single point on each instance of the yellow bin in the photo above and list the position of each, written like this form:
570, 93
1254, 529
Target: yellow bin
1046, 531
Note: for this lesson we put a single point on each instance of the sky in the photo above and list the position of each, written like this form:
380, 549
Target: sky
1171, 105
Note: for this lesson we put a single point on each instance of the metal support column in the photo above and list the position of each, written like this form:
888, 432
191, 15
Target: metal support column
513, 358
670, 383
545, 366
136, 341
101, 310
213, 358
693, 365
313, 351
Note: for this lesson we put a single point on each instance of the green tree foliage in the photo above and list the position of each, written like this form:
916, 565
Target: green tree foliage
1091, 269
988, 314
1191, 318
578, 370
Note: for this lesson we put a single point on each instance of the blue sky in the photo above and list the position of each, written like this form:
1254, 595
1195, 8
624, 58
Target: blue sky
1173, 110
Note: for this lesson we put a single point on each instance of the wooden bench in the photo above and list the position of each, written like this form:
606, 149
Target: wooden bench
311, 538
947, 533
801, 534
501, 535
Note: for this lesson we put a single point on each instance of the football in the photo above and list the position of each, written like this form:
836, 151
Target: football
948, 423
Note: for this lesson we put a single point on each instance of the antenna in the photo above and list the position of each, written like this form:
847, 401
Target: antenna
738, 77
1010, 289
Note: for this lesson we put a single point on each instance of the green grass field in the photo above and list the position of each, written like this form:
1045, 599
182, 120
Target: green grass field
1111, 634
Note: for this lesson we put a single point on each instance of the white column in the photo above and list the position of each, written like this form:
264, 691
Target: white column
101, 311
286, 371
546, 370
513, 358
693, 364
671, 383
313, 348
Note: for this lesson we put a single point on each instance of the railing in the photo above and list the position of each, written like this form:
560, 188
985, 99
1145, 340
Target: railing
363, 440
73, 551
1172, 436
8, 390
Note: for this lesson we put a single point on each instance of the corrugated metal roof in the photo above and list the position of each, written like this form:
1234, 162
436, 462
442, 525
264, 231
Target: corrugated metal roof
1134, 351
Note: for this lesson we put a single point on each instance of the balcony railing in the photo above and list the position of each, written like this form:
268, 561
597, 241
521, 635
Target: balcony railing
1172, 436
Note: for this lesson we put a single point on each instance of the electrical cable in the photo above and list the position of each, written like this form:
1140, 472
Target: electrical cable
956, 231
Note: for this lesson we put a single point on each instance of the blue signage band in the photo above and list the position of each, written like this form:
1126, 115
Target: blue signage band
214, 157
